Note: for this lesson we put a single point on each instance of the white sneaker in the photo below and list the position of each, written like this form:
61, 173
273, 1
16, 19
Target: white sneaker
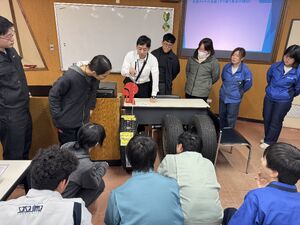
262, 141
264, 145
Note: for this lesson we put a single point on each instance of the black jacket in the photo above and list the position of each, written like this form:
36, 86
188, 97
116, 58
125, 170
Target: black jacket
172, 70
71, 98
14, 92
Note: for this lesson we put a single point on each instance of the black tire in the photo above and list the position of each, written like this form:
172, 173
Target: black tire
204, 127
171, 129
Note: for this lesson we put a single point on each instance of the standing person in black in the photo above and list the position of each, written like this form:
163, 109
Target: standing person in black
73, 96
168, 63
15, 119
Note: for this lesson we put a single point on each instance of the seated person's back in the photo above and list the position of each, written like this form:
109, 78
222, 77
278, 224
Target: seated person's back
44, 204
86, 181
147, 198
199, 188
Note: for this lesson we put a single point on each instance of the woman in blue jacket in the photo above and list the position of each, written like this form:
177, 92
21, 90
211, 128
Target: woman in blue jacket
236, 80
283, 85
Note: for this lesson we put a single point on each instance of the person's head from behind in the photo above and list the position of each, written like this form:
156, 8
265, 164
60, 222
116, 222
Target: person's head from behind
238, 55
100, 67
143, 45
291, 56
141, 153
168, 42
7, 33
282, 162
51, 168
90, 135
188, 142
205, 49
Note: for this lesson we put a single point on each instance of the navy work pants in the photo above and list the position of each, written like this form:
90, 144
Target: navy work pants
273, 114
228, 114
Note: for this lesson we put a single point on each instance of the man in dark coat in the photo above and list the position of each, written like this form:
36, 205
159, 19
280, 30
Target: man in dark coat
168, 62
15, 119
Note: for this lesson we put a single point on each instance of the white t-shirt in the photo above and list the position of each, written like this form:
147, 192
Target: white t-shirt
132, 60
42, 207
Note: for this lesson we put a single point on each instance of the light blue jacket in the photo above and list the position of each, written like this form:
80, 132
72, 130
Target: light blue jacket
145, 199
235, 85
282, 87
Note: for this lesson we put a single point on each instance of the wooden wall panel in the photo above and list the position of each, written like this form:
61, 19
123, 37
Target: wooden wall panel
107, 113
40, 15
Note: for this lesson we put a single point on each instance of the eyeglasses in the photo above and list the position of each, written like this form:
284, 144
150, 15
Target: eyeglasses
167, 44
9, 35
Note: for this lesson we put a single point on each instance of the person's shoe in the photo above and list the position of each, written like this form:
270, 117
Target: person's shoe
262, 141
264, 145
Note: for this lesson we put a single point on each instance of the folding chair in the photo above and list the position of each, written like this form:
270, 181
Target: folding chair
231, 137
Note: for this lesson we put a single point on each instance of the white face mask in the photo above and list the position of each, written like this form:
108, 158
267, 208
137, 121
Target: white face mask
202, 55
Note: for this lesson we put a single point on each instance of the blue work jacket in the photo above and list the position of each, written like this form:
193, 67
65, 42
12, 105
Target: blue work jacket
235, 85
276, 204
282, 87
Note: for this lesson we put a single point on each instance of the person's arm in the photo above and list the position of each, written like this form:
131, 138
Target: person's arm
112, 216
270, 73
215, 73
91, 178
155, 76
247, 214
176, 67
297, 87
247, 80
93, 96
187, 68
127, 68
56, 94
167, 167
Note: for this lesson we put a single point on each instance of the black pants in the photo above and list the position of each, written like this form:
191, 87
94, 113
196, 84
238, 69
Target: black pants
191, 96
15, 133
66, 135
228, 213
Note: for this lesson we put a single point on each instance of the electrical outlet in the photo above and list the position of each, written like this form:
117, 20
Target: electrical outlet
118, 1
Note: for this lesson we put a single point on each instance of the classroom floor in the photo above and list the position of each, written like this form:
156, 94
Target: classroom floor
230, 168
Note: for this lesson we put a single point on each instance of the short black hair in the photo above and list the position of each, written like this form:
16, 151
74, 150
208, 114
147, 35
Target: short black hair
169, 38
285, 159
100, 64
241, 50
208, 46
5, 25
141, 153
144, 40
294, 52
89, 135
51, 166
190, 142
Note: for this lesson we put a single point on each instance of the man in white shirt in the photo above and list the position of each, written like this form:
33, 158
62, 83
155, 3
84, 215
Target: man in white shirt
141, 67
43, 204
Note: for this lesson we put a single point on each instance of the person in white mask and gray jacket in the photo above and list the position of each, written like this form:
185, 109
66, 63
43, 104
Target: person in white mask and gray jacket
202, 71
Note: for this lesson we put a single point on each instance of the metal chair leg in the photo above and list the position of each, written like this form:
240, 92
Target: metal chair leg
249, 157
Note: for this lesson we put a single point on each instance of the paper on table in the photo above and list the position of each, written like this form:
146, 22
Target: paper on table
3, 168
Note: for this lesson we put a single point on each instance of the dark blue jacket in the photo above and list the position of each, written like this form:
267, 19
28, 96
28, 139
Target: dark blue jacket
282, 87
235, 85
